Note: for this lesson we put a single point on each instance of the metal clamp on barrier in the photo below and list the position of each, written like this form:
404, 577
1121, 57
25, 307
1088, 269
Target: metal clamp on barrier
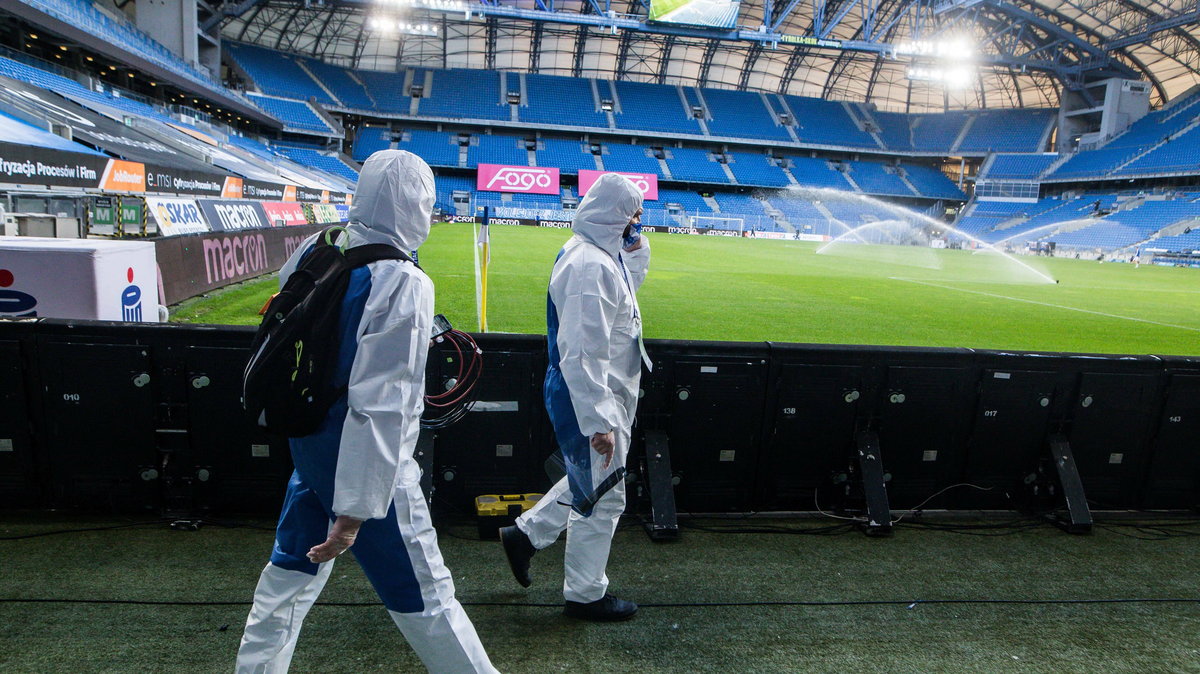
663, 523
870, 465
1079, 516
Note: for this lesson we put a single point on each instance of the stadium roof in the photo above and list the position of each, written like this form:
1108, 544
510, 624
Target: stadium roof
1021, 53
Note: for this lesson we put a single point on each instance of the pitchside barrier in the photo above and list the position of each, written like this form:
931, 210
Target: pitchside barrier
115, 417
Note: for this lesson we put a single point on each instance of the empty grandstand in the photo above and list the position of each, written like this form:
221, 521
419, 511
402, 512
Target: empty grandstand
731, 142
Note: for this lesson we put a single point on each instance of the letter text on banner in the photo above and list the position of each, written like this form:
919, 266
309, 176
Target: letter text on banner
646, 182
124, 176
517, 179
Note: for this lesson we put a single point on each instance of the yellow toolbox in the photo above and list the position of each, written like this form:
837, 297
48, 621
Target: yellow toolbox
493, 511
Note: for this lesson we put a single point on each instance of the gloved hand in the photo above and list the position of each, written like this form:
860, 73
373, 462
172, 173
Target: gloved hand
603, 443
341, 537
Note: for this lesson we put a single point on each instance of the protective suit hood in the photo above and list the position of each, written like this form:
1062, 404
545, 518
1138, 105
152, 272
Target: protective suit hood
393, 202
605, 211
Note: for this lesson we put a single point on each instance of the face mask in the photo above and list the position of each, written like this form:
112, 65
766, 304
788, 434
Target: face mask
631, 234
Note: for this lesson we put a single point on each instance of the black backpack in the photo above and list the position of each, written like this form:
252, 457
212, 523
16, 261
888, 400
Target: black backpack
287, 387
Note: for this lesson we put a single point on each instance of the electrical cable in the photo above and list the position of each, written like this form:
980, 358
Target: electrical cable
82, 530
908, 603
451, 405
915, 509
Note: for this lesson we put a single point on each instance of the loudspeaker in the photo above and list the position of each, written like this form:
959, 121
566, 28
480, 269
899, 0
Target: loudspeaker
1173, 475
710, 404
99, 402
20, 485
499, 447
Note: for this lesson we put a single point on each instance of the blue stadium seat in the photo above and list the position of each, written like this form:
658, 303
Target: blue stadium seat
369, 140
560, 100
741, 114
742, 205
755, 169
894, 130
930, 182
632, 158
464, 94
1179, 243
387, 90
826, 123
437, 148
123, 34
341, 83
276, 73
1018, 166
445, 186
812, 172
489, 149
691, 202
653, 107
873, 178
294, 114
1178, 155
936, 133
568, 155
1007, 131
695, 165
317, 160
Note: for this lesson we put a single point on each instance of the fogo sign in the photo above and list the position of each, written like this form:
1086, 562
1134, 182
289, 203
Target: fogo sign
517, 179
646, 182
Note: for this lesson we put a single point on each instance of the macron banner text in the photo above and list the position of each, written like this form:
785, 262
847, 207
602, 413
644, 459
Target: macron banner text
232, 215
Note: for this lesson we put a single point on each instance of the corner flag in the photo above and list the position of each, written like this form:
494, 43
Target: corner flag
483, 257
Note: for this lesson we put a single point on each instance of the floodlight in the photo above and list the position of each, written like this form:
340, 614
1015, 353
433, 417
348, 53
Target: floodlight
954, 78
949, 49
440, 5
386, 25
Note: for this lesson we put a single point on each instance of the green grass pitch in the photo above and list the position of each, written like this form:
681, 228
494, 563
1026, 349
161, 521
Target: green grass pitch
715, 288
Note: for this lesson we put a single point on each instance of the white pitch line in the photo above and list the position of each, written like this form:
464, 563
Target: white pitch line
1044, 304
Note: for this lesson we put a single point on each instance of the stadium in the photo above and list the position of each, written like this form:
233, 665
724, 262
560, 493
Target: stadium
922, 315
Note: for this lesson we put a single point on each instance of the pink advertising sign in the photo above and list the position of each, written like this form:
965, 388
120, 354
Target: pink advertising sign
517, 179
646, 182
289, 213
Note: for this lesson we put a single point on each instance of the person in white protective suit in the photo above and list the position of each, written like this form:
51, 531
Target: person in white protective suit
595, 350
356, 484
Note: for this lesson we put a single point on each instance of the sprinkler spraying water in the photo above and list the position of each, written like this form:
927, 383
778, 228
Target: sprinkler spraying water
895, 226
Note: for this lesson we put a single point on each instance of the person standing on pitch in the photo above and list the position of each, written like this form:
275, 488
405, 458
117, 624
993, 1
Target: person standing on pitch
594, 333
356, 484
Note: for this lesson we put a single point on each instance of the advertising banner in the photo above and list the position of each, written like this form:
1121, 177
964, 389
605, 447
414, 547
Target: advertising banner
28, 165
284, 214
92, 279
171, 180
232, 189
123, 176
176, 216
232, 216
517, 179
196, 264
256, 189
102, 216
646, 182
323, 214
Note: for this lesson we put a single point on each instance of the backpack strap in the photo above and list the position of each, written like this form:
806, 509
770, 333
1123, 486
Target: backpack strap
371, 252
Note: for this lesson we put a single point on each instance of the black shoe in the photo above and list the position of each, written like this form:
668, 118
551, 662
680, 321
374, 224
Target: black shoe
608, 609
519, 551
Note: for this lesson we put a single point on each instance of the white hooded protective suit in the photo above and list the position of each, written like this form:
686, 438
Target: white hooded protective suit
594, 338
360, 461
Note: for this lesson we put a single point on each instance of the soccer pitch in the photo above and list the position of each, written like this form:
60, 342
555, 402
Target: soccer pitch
732, 289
